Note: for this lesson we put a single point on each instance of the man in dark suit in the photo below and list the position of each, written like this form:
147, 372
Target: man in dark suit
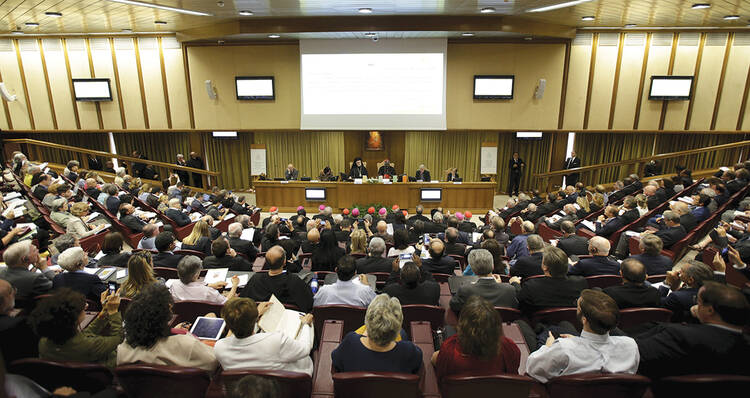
240, 245
28, 284
438, 263
174, 212
570, 215
556, 289
633, 292
126, 217
631, 210
40, 182
651, 258
410, 290
571, 243
291, 173
530, 265
17, 339
182, 174
345, 230
716, 346
608, 222
312, 241
73, 260
287, 287
652, 201
599, 264
165, 244
386, 169
418, 216
451, 244
91, 189
196, 162
673, 231
422, 174
678, 299
488, 287
571, 163
515, 165
226, 257
374, 262
740, 181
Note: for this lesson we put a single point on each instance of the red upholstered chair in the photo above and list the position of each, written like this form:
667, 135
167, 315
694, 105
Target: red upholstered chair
382, 277
460, 259
614, 385
418, 312
630, 317
440, 278
358, 255
515, 228
702, 385
464, 386
375, 385
305, 260
181, 232
353, 317
548, 233
93, 241
187, 252
656, 278
554, 316
143, 380
188, 310
166, 273
292, 384
89, 377
603, 281
508, 314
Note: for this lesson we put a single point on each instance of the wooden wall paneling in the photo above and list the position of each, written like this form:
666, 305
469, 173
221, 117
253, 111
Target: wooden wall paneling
532, 62
616, 83
394, 144
642, 82
742, 119
139, 70
564, 90
665, 104
575, 99
704, 92
219, 113
686, 55
696, 75
154, 87
658, 64
92, 69
178, 90
625, 98
604, 79
720, 89
17, 110
186, 66
27, 97
126, 70
47, 83
590, 83
82, 66
163, 71
61, 93
735, 80
5, 121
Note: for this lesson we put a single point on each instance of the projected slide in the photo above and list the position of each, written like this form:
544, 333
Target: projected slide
366, 88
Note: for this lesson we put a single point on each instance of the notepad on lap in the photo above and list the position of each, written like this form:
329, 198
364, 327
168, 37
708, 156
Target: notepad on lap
216, 275
279, 319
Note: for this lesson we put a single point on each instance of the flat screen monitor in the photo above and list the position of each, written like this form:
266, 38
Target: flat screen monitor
493, 86
92, 90
315, 194
671, 88
224, 134
431, 194
255, 87
529, 135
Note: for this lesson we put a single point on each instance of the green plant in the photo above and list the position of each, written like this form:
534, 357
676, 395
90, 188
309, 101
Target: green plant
363, 207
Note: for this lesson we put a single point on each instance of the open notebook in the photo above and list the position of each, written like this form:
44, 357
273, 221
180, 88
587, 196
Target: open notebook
278, 318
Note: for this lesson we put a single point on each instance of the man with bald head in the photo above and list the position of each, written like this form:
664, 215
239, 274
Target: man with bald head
633, 293
599, 263
240, 245
652, 200
382, 232
287, 287
438, 263
570, 215
313, 238
17, 340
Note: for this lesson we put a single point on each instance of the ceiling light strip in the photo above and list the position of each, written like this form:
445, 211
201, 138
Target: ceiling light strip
161, 7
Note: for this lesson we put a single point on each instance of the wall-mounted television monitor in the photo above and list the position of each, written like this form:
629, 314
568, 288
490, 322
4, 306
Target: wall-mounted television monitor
671, 88
493, 86
315, 194
431, 194
255, 87
529, 135
224, 134
92, 90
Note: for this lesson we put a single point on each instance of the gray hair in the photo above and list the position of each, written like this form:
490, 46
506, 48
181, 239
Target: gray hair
337, 218
569, 208
601, 245
383, 319
72, 259
481, 261
188, 268
527, 226
328, 211
174, 202
437, 217
376, 247
64, 241
534, 242
523, 196
120, 171
699, 272
672, 216
310, 225
234, 230
708, 192
15, 254
58, 203
651, 244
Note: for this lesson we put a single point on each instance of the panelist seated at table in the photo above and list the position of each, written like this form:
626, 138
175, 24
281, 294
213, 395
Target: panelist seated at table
422, 174
358, 170
291, 174
386, 169
326, 175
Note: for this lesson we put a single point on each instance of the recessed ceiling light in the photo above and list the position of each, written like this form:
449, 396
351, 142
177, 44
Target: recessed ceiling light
161, 7
700, 6
365, 10
32, 24
53, 14
370, 34
487, 10
731, 17
273, 36
467, 34
160, 22
126, 30
630, 25
16, 32
559, 5
588, 18
246, 13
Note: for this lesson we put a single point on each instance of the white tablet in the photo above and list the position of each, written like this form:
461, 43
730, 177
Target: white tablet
208, 328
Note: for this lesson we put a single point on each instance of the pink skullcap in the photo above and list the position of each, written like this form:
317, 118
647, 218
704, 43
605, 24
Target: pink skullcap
382, 211
300, 208
459, 215
322, 207
355, 212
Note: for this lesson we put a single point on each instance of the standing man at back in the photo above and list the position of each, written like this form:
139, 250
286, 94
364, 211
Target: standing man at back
571, 163
197, 163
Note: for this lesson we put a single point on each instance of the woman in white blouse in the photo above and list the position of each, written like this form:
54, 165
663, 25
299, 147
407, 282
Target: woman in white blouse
400, 244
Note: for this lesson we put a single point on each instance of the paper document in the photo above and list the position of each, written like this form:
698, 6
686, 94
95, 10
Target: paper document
27, 225
90, 271
476, 236
11, 195
686, 199
631, 233
92, 216
588, 224
553, 242
389, 229
216, 275
105, 273
247, 234
195, 216
277, 318
121, 273
99, 255
17, 212
244, 278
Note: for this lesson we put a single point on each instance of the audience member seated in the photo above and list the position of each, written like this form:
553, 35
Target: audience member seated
479, 348
187, 287
401, 244
571, 243
374, 262
112, 203
55, 320
39, 184
530, 265
328, 253
570, 215
199, 239
112, 249
556, 289
175, 213
599, 263
488, 286
378, 350
77, 226
451, 245
140, 275
149, 340
701, 211
240, 245
715, 346
594, 351
245, 349
438, 263
127, 217
358, 242
17, 340
288, 288
149, 237
681, 287
629, 210
518, 248
226, 257
634, 292
165, 244
349, 289
28, 284
651, 258
73, 260
60, 214
609, 222
410, 290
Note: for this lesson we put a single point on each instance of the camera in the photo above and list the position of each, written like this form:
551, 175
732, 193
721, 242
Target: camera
375, 38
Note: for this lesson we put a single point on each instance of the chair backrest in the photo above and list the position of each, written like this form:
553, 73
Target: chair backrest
630, 317
508, 314
188, 310
486, 386
614, 385
441, 278
291, 384
602, 281
656, 278
188, 252
701, 385
553, 316
460, 259
82, 376
419, 312
353, 317
166, 273
375, 385
143, 380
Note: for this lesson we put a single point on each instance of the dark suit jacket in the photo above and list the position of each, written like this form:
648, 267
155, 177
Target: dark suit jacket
427, 293
678, 301
180, 218
369, 264
40, 192
670, 236
88, 285
574, 244
294, 175
166, 259
114, 260
383, 170
417, 217
629, 216
609, 227
527, 266
653, 202
203, 245
655, 265
597, 265
27, 283
572, 163
499, 294
630, 295
556, 225
93, 192
688, 222
288, 288
424, 176
467, 226
113, 204
236, 263
455, 248
443, 265
674, 349
133, 222
541, 293
244, 246
17, 339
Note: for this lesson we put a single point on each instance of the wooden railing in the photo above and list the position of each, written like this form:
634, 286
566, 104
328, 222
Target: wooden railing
130, 161
593, 171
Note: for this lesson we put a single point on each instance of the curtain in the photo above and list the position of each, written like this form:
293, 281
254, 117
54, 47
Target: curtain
162, 147
534, 153
95, 141
231, 158
610, 147
309, 152
709, 160
439, 151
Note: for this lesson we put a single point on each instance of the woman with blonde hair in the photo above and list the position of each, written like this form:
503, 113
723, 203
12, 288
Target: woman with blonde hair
144, 191
359, 242
77, 226
163, 203
140, 274
598, 203
584, 208
199, 239
642, 201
